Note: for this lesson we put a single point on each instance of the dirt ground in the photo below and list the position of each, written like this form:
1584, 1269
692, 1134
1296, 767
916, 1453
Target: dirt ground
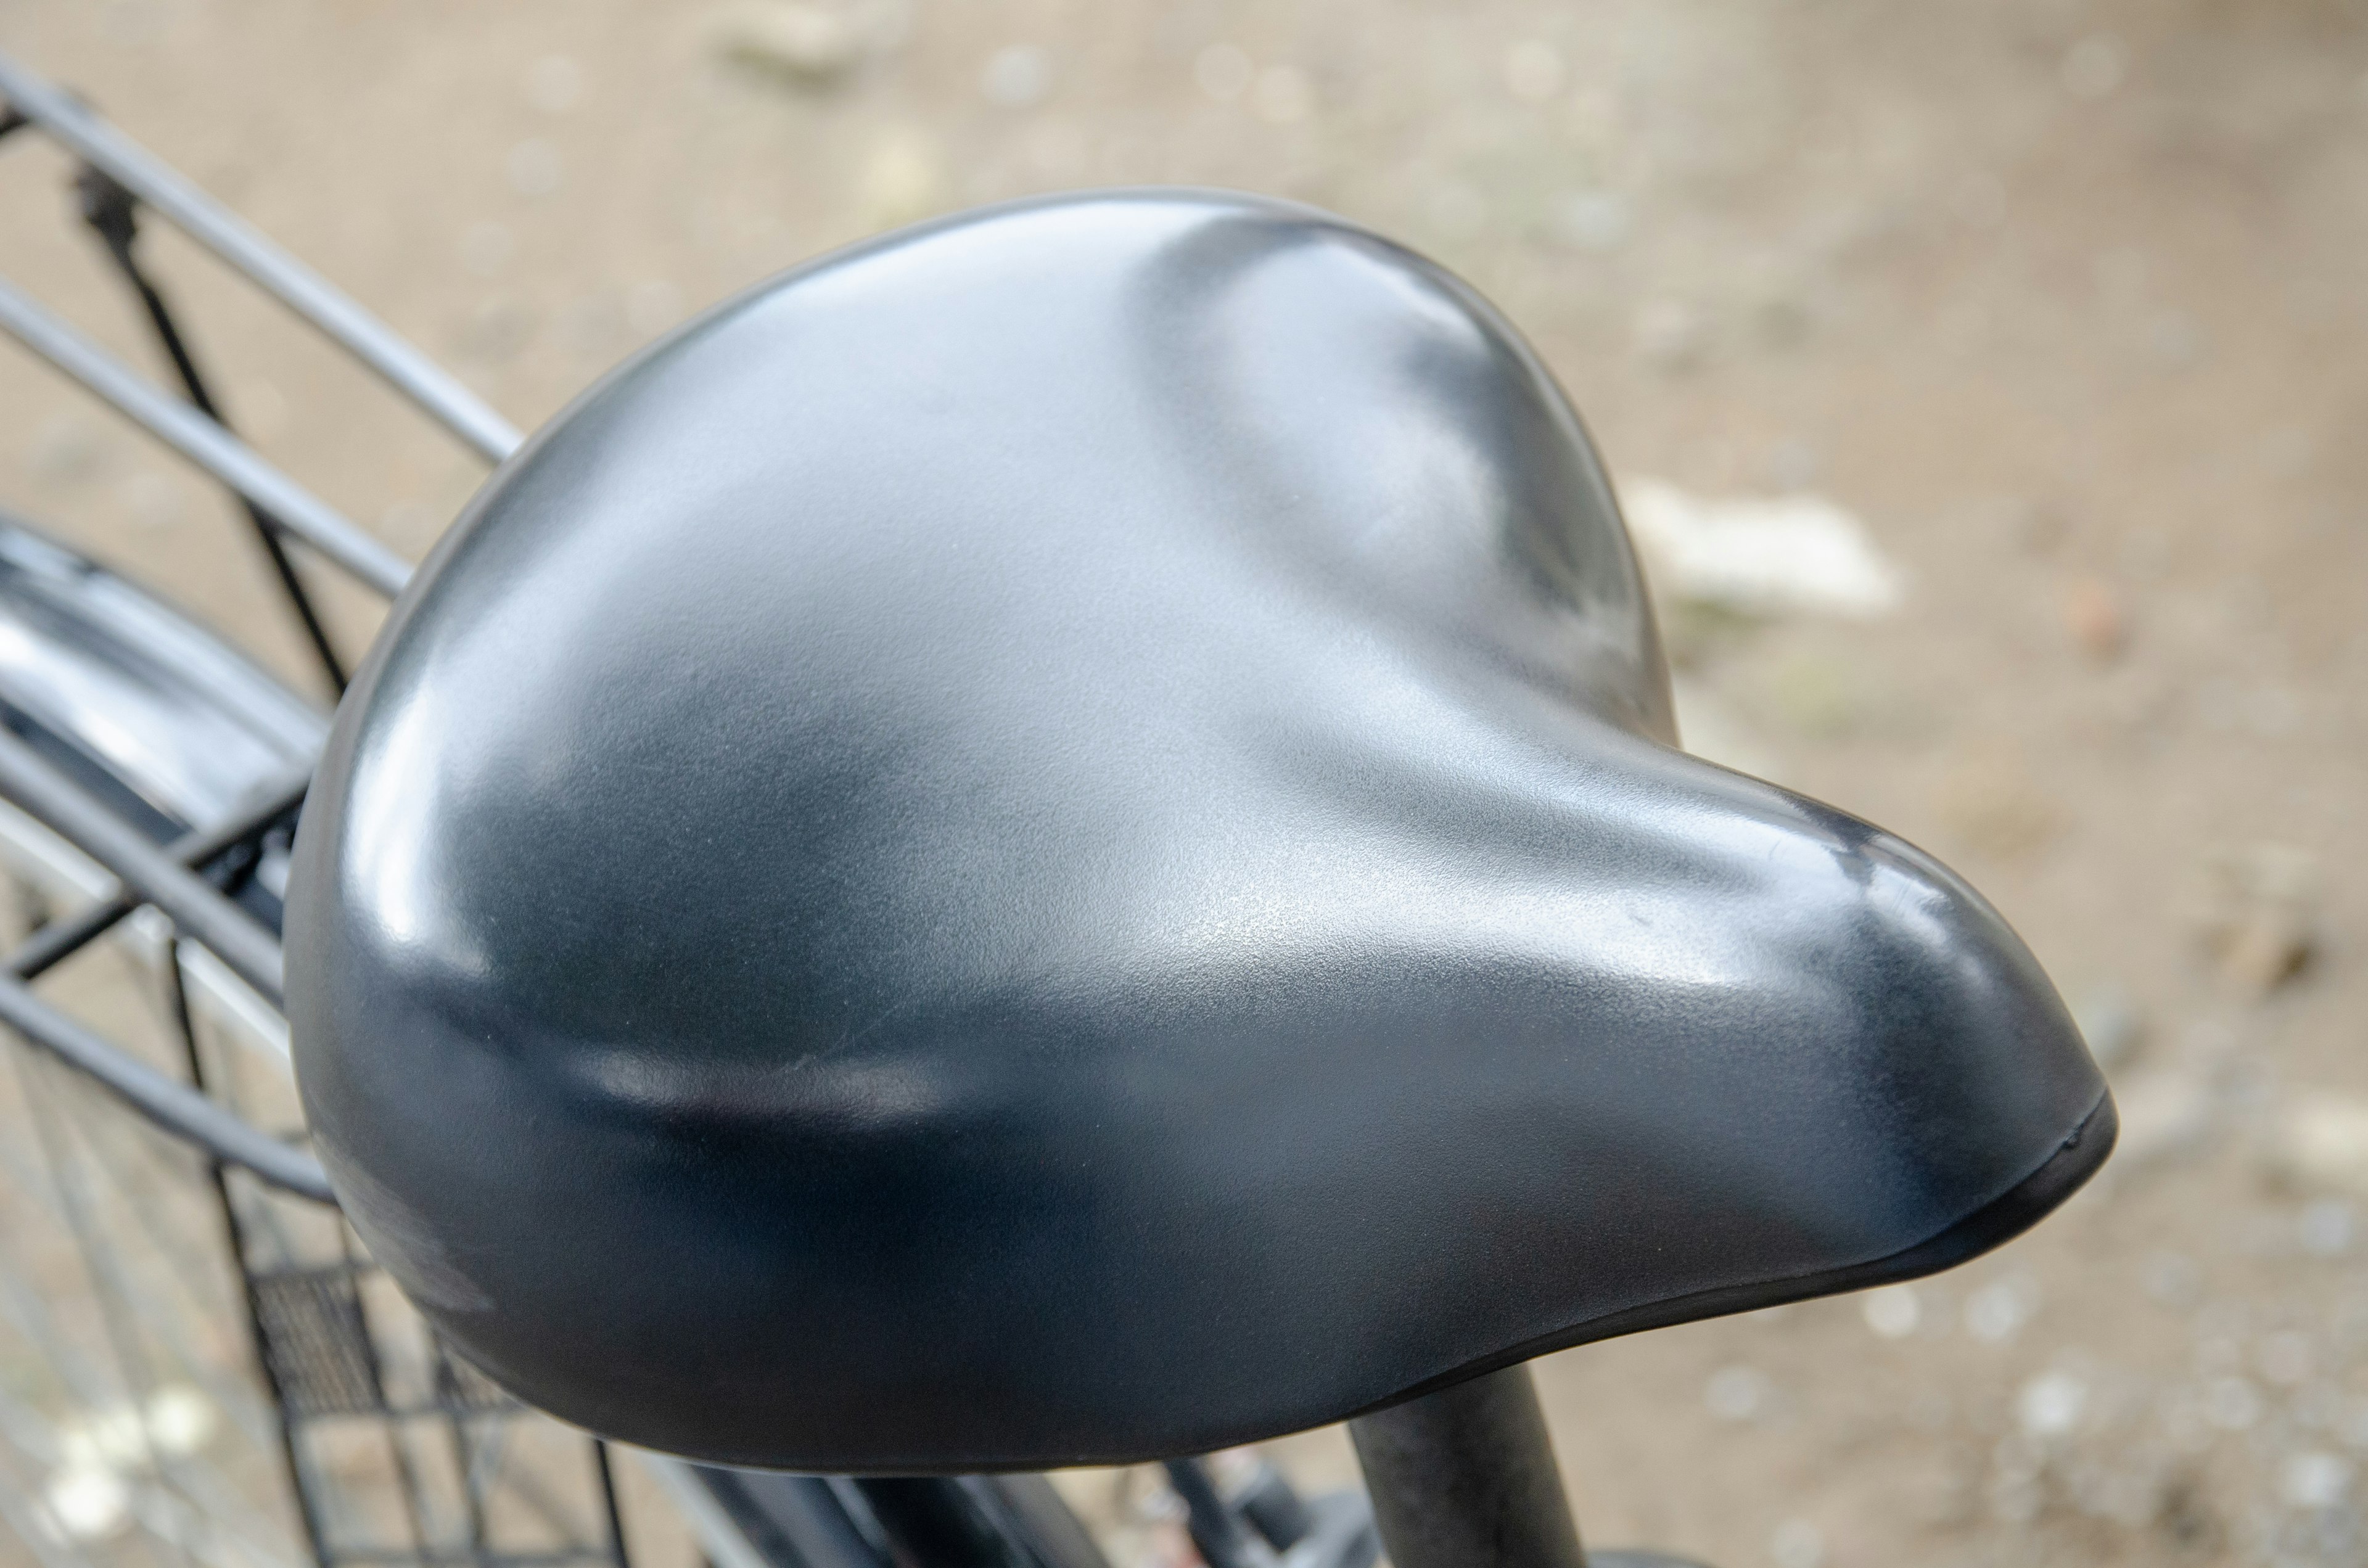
2065, 301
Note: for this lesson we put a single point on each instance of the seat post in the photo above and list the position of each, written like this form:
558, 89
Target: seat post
1465, 1478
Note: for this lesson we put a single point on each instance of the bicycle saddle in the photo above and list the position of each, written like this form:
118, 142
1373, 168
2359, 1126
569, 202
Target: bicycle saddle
1058, 838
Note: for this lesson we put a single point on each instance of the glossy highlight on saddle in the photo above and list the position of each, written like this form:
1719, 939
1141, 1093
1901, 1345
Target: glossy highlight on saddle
1057, 837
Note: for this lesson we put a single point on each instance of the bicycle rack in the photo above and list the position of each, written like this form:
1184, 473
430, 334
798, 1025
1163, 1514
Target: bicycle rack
346, 1365
343, 1358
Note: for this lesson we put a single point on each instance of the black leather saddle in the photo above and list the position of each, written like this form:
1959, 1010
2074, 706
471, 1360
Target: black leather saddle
1058, 838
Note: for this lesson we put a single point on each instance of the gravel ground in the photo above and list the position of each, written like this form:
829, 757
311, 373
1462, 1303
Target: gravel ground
2062, 301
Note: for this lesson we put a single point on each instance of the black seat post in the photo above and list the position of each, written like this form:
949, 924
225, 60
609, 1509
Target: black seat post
1465, 1478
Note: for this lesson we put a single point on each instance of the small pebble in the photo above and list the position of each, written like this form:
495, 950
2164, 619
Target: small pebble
2093, 616
1793, 464
2259, 916
1891, 1312
534, 167
903, 178
2286, 1358
2326, 1227
1998, 1312
2016, 1498
1534, 70
2173, 1280
2232, 1404
1283, 94
2094, 67
2173, 343
2110, 1023
69, 449
1018, 75
2266, 950
1593, 220
2320, 1140
180, 1419
85, 1504
1992, 803
2315, 1479
2049, 1406
1224, 72
1671, 335
1737, 1393
1797, 1543
554, 83
807, 45
2128, 1497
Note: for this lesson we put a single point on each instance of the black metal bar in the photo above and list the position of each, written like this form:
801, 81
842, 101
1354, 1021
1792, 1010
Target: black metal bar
113, 213
1273, 1507
1465, 1478
171, 1105
185, 1024
464, 1450
395, 1557
284, 278
1034, 1511
1223, 1543
606, 1473
202, 441
406, 1474
147, 872
60, 940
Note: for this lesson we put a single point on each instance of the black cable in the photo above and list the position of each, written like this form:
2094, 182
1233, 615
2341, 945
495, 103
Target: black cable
113, 213
200, 851
149, 873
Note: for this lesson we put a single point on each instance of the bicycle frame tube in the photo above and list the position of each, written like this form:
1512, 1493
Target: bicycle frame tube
1465, 1478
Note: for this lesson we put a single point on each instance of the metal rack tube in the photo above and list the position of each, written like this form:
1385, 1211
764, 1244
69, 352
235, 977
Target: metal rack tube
194, 905
203, 442
56, 943
174, 1107
297, 287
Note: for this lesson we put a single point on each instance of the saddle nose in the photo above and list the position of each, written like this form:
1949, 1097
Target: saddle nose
1056, 839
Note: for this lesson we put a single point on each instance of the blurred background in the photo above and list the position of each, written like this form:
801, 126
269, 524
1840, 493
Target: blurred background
1978, 379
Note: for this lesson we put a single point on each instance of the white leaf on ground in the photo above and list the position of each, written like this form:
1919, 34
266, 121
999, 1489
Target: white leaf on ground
1788, 555
2320, 1141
